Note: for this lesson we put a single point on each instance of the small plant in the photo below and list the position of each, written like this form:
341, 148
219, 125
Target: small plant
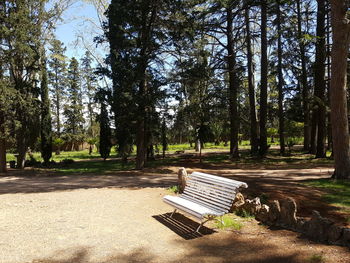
317, 258
174, 189
244, 213
67, 161
228, 222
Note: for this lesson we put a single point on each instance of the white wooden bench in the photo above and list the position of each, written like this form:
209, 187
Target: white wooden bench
205, 196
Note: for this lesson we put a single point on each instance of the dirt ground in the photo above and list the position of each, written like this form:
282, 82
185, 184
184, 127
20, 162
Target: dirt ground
121, 218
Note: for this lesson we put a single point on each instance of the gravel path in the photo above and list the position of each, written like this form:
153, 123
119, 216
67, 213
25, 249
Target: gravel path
108, 225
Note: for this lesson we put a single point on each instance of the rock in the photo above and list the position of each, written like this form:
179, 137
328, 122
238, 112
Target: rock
251, 207
334, 234
263, 214
181, 179
238, 202
274, 212
346, 237
317, 227
288, 213
301, 225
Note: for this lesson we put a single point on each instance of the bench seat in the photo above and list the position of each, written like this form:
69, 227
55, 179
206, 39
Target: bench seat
193, 208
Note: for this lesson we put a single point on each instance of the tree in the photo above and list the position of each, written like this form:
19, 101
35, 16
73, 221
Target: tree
263, 83
73, 110
254, 142
57, 73
340, 51
303, 81
105, 130
280, 78
320, 83
23, 21
89, 87
46, 127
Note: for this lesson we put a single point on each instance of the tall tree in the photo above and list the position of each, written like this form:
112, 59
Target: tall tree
46, 126
320, 83
263, 83
254, 142
303, 81
340, 51
280, 78
233, 83
89, 87
105, 130
23, 21
57, 73
73, 110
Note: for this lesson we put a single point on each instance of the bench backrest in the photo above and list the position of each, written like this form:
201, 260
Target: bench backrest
214, 192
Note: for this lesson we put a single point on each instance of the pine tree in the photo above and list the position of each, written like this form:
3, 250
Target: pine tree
46, 126
264, 79
105, 130
73, 110
57, 73
89, 87
23, 21
340, 51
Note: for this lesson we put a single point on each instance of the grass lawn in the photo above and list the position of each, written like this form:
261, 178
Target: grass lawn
336, 192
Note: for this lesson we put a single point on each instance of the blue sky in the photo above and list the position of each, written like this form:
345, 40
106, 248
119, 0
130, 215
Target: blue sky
77, 21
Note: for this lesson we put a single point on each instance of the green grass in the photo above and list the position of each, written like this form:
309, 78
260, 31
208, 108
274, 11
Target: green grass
336, 192
228, 223
94, 167
173, 189
316, 258
75, 155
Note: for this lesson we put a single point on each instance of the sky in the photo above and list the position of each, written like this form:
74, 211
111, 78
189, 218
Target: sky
78, 21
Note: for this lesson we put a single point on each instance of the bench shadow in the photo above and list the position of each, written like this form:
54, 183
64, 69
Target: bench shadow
183, 226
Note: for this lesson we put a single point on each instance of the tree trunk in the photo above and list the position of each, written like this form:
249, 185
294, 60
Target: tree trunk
264, 71
329, 125
304, 83
234, 119
3, 167
280, 80
320, 84
339, 113
251, 87
140, 137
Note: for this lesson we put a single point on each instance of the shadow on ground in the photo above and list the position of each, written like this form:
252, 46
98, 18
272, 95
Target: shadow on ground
183, 226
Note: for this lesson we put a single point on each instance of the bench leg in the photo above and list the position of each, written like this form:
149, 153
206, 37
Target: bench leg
173, 213
201, 224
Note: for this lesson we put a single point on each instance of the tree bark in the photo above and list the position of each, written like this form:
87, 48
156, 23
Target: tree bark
140, 136
280, 80
304, 83
320, 83
264, 71
234, 119
3, 167
251, 87
340, 126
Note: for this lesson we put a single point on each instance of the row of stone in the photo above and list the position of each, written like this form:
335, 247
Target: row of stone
283, 214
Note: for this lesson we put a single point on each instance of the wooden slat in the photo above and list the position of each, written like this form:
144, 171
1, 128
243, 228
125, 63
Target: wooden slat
203, 203
212, 195
210, 177
213, 201
224, 191
233, 184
